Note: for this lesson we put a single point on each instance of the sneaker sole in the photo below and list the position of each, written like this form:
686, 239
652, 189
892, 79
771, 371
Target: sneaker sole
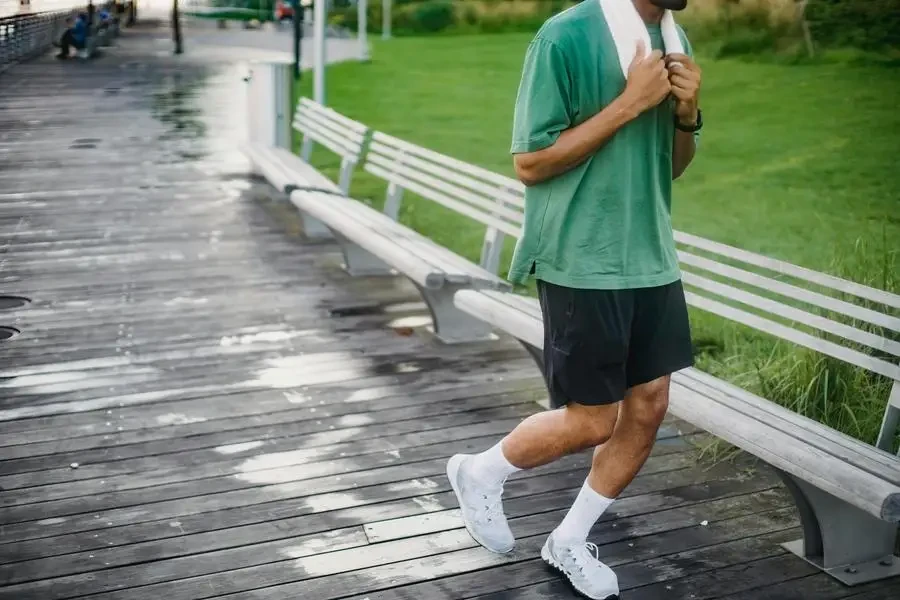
452, 471
551, 562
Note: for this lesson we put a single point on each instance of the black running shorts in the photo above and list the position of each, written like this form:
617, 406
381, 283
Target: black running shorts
600, 343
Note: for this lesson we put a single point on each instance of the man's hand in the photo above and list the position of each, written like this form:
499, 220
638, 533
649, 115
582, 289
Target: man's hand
648, 80
684, 75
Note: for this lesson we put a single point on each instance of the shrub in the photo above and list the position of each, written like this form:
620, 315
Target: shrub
434, 15
865, 24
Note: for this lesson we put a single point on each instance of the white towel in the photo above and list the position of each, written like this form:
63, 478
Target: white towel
627, 28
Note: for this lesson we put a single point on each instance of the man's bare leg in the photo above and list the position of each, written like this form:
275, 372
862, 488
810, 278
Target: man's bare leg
623, 434
617, 461
547, 436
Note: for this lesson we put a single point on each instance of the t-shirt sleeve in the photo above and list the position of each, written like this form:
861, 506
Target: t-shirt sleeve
542, 105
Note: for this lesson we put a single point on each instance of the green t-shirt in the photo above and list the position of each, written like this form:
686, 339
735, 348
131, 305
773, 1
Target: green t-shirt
607, 223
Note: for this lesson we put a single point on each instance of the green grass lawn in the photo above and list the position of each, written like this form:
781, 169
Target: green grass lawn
798, 162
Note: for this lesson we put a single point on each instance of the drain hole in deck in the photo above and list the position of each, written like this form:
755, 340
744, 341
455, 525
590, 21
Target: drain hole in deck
7, 333
10, 302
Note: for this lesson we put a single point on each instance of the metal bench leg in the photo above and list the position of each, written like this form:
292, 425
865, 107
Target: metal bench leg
451, 325
359, 262
314, 229
847, 543
537, 354
891, 421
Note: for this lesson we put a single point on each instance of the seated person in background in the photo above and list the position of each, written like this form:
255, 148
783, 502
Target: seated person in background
105, 19
75, 35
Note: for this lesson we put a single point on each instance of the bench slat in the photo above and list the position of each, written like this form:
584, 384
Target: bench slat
783, 451
334, 144
282, 168
800, 316
263, 159
506, 193
419, 245
416, 256
304, 122
792, 291
312, 121
800, 338
304, 173
489, 206
464, 167
836, 283
869, 458
324, 208
332, 115
450, 203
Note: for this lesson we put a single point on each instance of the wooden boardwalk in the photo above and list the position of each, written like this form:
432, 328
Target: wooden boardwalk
201, 405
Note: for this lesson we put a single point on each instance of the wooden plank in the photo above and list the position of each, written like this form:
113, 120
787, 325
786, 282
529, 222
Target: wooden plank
842, 285
526, 569
791, 291
801, 338
304, 462
278, 579
267, 402
843, 480
651, 493
830, 442
374, 485
260, 522
315, 440
821, 587
786, 311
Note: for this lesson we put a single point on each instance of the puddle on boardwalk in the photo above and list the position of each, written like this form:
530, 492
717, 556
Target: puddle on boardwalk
11, 302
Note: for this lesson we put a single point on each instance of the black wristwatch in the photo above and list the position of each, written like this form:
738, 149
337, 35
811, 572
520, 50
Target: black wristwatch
690, 128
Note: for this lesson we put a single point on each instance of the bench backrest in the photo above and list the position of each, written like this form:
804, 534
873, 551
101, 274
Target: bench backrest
861, 327
484, 196
835, 317
342, 135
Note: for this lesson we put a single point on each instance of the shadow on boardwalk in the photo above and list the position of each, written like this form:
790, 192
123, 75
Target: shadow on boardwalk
200, 405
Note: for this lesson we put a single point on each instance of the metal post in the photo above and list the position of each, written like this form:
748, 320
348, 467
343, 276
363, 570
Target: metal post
362, 33
176, 27
319, 16
386, 19
297, 20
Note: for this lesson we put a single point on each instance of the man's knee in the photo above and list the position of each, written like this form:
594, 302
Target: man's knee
594, 424
646, 404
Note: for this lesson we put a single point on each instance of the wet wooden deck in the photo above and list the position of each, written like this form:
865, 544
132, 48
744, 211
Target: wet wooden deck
247, 422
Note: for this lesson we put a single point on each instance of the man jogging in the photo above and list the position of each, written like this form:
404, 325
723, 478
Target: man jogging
598, 138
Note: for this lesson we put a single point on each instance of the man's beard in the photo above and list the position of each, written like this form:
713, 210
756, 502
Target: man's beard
670, 4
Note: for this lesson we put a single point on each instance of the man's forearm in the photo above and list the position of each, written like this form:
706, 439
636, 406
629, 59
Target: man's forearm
683, 149
574, 145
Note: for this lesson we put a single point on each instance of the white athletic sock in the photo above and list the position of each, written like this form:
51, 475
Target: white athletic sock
585, 511
491, 467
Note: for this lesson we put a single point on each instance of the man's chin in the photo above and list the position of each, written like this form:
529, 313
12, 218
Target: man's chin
670, 4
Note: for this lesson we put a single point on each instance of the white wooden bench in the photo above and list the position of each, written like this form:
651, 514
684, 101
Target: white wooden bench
847, 492
375, 243
489, 199
287, 171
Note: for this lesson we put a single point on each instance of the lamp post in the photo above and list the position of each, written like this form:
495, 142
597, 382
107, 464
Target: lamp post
176, 28
320, 14
297, 20
362, 29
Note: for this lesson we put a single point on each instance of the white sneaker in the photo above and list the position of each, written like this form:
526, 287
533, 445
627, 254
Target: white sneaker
482, 508
582, 567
